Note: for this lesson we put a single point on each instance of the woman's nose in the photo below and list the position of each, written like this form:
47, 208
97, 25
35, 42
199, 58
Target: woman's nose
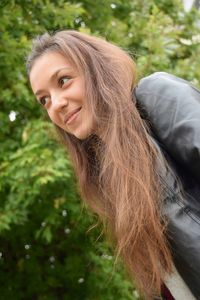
58, 101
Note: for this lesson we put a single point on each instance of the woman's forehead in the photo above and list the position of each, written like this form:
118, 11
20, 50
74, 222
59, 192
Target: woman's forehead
50, 62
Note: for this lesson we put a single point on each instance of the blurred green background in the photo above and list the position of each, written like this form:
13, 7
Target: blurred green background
46, 251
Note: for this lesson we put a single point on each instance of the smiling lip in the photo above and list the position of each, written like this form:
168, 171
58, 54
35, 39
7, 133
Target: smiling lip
71, 116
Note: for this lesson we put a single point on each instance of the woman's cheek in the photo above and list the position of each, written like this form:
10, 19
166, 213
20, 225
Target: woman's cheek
53, 118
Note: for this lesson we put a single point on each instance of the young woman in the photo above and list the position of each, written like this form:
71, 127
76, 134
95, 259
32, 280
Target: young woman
86, 86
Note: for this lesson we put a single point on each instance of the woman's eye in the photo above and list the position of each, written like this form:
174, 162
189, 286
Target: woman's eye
43, 100
64, 80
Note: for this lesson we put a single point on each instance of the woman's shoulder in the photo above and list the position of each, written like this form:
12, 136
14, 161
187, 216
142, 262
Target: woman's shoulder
160, 79
162, 87
172, 107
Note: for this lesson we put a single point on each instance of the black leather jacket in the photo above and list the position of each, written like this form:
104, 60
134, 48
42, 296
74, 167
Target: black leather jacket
172, 107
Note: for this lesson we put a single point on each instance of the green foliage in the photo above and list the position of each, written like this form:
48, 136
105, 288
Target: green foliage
45, 252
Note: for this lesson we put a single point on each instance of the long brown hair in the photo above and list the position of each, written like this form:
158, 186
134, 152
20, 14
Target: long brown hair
116, 167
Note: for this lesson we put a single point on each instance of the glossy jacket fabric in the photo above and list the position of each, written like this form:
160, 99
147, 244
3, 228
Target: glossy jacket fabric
172, 107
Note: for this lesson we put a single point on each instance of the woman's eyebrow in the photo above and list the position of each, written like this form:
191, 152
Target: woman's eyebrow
52, 77
56, 73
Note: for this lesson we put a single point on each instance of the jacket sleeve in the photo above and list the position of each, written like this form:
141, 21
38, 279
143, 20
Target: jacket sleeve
172, 106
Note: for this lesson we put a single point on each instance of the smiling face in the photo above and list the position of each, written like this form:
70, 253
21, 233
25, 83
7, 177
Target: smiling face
60, 89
